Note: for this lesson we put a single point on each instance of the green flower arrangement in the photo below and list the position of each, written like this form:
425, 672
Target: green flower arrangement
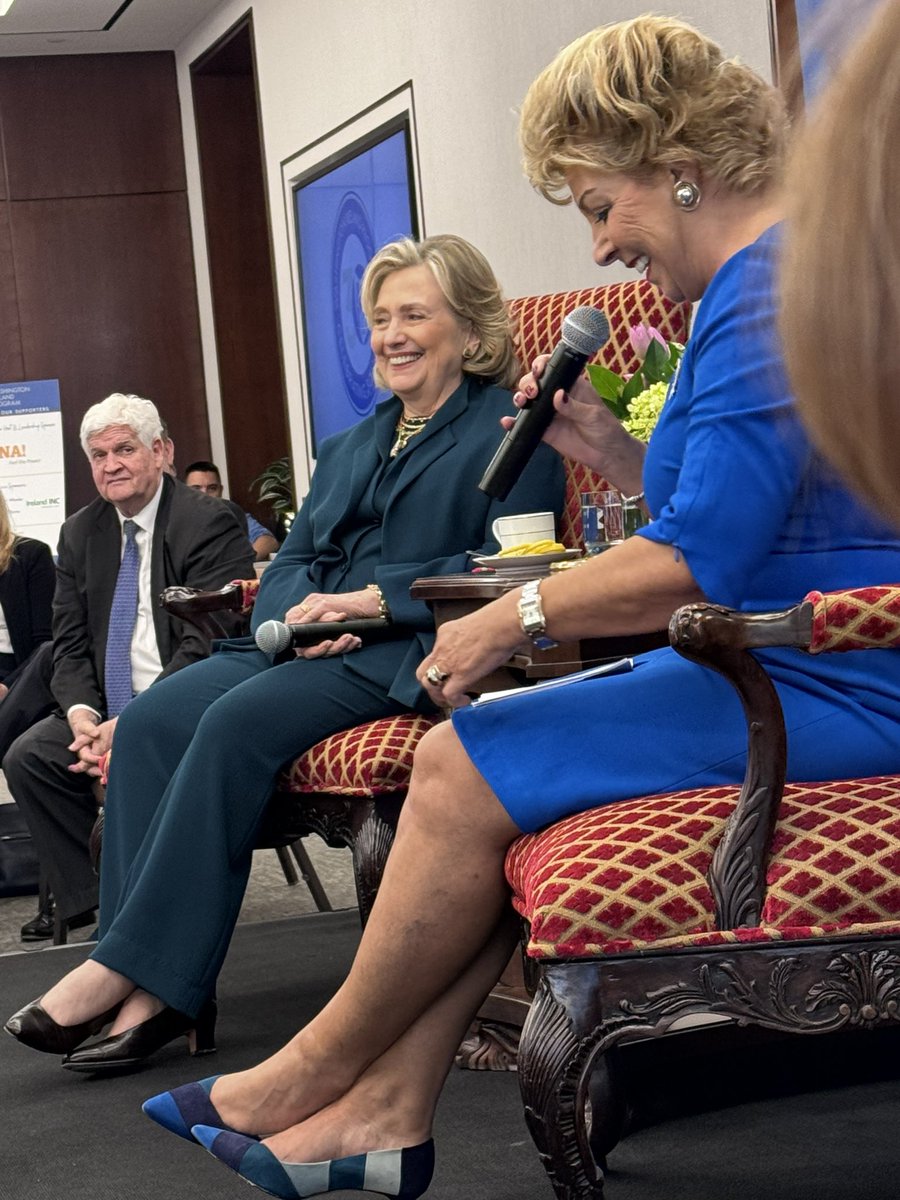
638, 399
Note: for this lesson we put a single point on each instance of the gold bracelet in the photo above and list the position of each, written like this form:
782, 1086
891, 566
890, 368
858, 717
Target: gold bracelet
383, 610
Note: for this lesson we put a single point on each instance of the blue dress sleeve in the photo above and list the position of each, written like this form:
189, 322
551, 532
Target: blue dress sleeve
724, 464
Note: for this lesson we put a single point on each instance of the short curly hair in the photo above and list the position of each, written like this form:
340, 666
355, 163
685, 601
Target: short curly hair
649, 94
471, 289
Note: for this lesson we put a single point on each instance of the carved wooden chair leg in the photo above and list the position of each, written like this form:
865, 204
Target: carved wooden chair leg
310, 875
554, 1060
492, 1039
371, 847
609, 1110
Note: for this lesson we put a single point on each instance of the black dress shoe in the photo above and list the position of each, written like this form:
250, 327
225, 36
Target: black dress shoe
40, 928
34, 1027
131, 1048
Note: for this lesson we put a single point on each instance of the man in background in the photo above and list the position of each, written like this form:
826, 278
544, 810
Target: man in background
205, 477
111, 638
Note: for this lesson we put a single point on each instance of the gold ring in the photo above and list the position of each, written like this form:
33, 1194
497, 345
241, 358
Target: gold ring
435, 675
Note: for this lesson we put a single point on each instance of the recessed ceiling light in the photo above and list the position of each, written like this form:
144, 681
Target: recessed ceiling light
5, 6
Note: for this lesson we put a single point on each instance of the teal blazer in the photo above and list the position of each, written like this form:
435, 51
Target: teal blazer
434, 518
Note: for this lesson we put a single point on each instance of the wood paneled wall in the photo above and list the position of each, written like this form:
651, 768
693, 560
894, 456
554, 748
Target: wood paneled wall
97, 285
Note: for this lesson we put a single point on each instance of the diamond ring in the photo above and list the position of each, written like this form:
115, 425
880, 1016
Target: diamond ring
435, 675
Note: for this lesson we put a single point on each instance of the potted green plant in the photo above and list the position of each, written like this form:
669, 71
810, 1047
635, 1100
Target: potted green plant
275, 487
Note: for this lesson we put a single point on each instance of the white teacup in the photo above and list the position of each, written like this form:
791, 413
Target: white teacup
524, 527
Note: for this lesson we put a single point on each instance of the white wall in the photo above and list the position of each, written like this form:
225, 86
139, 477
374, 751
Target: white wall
320, 62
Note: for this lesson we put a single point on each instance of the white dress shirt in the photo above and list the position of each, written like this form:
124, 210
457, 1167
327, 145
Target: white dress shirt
146, 663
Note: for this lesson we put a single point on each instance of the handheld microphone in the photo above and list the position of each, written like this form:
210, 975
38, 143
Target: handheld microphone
273, 637
584, 331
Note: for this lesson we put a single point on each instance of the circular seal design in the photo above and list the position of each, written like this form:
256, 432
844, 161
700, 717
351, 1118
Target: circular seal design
353, 245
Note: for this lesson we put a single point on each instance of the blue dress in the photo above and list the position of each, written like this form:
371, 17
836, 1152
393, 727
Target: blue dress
735, 487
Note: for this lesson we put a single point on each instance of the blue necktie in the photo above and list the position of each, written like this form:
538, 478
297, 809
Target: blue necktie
122, 616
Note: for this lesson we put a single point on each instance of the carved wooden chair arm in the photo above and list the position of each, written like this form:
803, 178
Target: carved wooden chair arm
721, 638
199, 608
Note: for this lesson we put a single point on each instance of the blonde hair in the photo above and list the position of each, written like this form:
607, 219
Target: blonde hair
648, 94
840, 316
470, 288
7, 537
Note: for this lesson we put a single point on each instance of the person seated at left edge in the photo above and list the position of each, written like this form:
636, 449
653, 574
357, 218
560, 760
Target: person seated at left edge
178, 538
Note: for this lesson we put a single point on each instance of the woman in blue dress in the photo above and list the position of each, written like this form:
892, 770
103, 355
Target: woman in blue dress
673, 154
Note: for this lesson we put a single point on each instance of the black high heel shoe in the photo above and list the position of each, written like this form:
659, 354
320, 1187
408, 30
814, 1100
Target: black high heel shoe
34, 1027
131, 1048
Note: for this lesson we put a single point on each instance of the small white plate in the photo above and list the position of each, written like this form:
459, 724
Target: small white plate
524, 560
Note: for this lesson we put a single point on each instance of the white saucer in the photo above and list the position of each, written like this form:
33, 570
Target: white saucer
524, 560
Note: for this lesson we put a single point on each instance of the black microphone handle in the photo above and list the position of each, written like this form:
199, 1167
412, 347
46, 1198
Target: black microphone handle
276, 636
322, 631
562, 369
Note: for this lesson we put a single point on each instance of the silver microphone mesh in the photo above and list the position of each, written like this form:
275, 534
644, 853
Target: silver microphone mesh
585, 329
273, 636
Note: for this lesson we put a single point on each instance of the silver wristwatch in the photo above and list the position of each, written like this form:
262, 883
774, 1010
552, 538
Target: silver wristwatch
531, 616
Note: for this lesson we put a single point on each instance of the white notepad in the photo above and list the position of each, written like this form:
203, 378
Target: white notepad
618, 667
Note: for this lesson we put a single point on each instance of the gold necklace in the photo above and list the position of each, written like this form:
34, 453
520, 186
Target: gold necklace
406, 428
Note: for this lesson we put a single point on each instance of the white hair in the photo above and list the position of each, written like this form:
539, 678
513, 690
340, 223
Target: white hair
118, 409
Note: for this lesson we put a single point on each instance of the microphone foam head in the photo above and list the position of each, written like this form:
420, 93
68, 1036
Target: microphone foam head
272, 637
585, 330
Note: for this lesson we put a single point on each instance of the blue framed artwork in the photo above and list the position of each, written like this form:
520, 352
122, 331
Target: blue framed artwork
345, 208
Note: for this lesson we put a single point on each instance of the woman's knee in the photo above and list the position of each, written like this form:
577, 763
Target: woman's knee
447, 790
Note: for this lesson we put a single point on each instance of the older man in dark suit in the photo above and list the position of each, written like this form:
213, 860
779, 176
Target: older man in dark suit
111, 639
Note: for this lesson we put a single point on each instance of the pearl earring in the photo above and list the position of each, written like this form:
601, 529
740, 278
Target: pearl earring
686, 194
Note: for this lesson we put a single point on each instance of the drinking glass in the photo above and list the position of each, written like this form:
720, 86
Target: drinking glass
607, 520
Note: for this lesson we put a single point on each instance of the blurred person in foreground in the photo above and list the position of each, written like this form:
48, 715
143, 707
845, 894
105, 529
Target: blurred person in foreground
673, 154
196, 756
841, 275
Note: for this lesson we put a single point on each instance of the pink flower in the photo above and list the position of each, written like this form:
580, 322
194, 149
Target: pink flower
641, 337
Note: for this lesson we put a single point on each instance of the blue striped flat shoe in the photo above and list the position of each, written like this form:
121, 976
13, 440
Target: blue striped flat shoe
186, 1106
398, 1174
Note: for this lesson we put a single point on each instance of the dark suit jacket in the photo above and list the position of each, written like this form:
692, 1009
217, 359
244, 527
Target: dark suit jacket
26, 594
197, 542
434, 516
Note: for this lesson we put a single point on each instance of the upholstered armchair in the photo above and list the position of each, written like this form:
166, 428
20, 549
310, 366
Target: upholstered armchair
773, 905
348, 789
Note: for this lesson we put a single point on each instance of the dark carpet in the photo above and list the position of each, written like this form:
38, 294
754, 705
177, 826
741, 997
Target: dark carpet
797, 1119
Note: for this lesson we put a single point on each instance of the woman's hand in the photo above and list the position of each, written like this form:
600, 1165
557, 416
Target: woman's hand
342, 606
585, 429
467, 649
333, 607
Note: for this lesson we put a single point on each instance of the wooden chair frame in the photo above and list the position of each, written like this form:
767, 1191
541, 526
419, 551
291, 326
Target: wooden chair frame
583, 1009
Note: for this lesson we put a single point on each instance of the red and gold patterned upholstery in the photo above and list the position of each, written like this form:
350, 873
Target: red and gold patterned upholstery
538, 323
855, 620
632, 876
370, 760
249, 588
